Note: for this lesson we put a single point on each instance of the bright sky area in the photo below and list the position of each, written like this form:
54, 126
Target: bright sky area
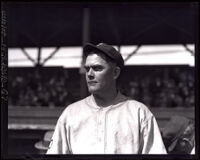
70, 57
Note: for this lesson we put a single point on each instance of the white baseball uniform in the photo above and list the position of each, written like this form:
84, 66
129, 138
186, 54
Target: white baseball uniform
125, 127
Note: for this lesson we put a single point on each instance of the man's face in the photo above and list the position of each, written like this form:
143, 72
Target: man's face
99, 74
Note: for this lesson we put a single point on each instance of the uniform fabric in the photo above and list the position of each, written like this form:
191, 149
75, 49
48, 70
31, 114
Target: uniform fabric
126, 127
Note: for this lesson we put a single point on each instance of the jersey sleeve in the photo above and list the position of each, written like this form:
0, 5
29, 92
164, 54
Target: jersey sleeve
152, 142
59, 143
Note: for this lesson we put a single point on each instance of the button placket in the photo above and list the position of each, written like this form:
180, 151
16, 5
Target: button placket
101, 126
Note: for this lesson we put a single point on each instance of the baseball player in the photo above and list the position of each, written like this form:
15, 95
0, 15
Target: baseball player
106, 122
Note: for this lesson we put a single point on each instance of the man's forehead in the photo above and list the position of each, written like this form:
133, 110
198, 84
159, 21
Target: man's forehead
95, 63
95, 58
96, 54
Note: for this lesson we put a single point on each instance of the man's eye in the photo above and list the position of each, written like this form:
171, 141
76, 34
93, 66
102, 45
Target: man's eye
97, 68
94, 68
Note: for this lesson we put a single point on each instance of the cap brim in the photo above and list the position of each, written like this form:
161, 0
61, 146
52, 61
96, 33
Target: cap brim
88, 48
40, 145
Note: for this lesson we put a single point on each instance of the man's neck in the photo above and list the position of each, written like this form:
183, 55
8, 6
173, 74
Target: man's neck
106, 99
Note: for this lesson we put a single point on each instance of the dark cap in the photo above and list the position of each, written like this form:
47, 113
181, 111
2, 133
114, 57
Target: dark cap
173, 130
106, 49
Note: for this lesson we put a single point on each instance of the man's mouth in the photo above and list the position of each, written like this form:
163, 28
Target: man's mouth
92, 82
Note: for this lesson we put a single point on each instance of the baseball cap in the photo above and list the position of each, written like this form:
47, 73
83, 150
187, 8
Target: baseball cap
173, 130
44, 144
106, 49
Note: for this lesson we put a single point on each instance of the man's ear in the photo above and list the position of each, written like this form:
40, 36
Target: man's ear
116, 72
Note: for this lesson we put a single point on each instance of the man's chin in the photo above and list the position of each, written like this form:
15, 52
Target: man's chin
93, 91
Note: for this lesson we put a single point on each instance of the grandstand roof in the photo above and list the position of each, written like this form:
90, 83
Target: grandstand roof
42, 24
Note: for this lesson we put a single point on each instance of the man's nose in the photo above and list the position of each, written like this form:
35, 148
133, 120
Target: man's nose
90, 73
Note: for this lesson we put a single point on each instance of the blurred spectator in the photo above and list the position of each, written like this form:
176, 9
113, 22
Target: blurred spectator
161, 87
35, 89
168, 87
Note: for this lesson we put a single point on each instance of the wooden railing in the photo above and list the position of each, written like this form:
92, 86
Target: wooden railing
44, 118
